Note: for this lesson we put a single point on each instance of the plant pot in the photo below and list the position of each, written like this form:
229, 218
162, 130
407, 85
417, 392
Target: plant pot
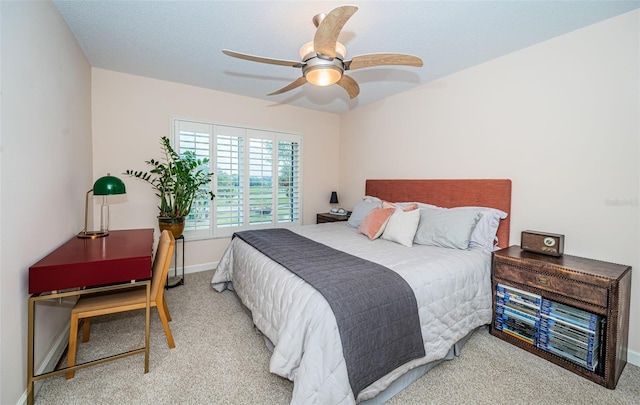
173, 225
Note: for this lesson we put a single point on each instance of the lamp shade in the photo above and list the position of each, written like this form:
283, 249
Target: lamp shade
334, 198
307, 51
323, 76
108, 185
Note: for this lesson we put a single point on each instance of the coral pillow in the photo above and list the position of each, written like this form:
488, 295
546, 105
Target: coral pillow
405, 206
374, 223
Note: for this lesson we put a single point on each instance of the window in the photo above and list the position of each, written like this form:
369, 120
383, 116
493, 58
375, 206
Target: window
256, 182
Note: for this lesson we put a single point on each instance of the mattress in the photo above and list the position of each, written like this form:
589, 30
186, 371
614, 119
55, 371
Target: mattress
452, 289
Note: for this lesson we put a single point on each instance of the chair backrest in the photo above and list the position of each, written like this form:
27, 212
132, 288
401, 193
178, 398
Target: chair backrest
161, 263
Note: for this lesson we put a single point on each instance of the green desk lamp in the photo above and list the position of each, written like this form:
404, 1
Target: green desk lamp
104, 186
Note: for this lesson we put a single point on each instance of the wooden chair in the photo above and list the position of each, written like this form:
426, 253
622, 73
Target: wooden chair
125, 300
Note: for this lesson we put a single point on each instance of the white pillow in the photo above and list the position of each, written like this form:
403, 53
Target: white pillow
402, 226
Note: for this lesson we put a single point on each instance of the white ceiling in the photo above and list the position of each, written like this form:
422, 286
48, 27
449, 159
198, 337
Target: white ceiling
181, 41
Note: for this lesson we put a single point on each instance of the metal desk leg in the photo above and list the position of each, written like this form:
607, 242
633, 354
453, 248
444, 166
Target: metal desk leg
147, 329
30, 382
175, 280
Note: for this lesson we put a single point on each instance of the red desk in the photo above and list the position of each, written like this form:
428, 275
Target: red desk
121, 256
83, 266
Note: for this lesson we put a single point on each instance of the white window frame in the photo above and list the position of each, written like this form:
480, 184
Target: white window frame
215, 129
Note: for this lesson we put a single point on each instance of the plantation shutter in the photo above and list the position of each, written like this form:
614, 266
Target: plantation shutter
261, 176
230, 186
288, 195
196, 137
257, 182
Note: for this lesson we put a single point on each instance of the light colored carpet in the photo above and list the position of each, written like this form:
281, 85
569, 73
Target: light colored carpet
220, 359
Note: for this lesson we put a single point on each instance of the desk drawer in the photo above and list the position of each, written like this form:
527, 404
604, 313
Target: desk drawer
584, 292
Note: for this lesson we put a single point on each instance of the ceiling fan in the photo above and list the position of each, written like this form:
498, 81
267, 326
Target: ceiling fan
323, 60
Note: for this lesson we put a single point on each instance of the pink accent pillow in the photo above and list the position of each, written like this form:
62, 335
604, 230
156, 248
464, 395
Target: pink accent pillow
406, 207
374, 223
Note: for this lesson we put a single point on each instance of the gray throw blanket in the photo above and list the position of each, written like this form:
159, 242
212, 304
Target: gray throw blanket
375, 309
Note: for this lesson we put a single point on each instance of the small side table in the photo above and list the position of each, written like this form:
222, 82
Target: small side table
175, 280
329, 217
581, 286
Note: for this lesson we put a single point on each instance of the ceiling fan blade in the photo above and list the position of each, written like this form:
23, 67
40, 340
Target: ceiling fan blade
296, 83
381, 59
281, 62
350, 85
324, 41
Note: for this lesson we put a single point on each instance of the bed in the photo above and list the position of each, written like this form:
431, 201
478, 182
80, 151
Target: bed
450, 285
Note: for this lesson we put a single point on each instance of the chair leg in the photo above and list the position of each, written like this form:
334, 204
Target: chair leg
86, 329
166, 309
165, 325
71, 352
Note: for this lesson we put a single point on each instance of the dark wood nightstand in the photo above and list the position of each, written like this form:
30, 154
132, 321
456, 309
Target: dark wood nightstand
571, 291
329, 217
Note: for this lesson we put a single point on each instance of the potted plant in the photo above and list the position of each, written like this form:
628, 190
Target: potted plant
178, 180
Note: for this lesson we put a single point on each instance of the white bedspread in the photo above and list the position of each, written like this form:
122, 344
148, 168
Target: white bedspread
452, 288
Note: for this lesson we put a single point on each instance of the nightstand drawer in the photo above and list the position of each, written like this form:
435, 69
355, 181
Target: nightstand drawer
585, 292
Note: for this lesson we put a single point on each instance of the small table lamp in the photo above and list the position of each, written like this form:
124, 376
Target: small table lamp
334, 201
104, 186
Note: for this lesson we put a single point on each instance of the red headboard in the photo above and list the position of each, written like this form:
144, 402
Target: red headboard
449, 194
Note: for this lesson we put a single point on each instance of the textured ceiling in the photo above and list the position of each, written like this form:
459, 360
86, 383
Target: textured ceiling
181, 41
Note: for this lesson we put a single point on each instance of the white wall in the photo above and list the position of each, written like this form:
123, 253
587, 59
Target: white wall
131, 113
45, 161
561, 119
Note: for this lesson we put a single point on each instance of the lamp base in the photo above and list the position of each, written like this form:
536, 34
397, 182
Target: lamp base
92, 234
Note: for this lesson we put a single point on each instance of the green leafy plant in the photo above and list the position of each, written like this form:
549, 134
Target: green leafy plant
177, 179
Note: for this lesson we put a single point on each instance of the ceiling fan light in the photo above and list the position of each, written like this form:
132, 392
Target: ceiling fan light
324, 76
307, 51
341, 50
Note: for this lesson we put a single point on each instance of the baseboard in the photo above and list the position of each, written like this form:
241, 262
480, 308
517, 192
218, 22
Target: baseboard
633, 357
196, 268
200, 267
50, 362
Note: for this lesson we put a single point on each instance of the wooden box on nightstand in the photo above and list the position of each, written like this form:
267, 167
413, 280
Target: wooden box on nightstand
599, 288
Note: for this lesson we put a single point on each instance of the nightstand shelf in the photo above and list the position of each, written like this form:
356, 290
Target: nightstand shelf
598, 288
329, 217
